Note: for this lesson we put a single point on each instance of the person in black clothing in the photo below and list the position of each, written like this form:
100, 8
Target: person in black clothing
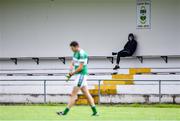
128, 50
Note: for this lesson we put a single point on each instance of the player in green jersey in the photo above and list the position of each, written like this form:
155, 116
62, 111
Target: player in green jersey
79, 65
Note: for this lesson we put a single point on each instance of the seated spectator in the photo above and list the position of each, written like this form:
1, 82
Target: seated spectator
128, 50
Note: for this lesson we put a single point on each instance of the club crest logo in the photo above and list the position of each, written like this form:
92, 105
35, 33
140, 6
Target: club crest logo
143, 15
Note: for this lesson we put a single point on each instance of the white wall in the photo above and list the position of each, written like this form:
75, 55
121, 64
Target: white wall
178, 15
0, 30
45, 28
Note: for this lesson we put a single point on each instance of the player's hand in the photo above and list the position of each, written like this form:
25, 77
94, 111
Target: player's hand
71, 74
68, 77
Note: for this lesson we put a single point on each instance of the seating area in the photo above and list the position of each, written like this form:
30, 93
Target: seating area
103, 81
111, 58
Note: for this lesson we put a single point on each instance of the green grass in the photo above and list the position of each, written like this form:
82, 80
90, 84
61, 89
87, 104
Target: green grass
82, 113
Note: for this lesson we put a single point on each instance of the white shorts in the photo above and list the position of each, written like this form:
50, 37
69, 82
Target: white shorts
80, 80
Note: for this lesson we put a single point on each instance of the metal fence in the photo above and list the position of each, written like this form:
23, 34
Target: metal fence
99, 86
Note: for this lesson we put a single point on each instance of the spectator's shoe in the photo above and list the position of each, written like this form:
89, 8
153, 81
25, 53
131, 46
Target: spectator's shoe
95, 114
116, 67
60, 113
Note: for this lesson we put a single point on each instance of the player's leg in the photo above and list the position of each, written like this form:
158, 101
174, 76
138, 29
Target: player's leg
77, 84
71, 102
85, 91
73, 97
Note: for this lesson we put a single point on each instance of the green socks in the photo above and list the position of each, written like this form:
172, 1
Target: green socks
66, 111
94, 109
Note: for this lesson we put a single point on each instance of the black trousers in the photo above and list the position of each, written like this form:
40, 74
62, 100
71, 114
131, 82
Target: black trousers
122, 53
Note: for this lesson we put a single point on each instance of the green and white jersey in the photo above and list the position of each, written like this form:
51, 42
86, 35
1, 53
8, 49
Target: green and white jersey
81, 57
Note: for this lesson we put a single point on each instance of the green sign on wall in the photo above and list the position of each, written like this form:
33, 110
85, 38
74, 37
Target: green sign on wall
143, 14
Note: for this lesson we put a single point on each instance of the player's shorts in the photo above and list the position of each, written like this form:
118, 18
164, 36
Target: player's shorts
80, 80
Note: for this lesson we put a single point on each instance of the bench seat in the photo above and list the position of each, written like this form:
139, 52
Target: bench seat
94, 71
92, 78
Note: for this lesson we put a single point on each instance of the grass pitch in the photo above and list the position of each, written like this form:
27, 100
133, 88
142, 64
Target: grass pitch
83, 113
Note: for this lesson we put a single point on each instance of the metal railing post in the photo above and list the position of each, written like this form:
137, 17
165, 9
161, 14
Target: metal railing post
99, 91
159, 91
45, 91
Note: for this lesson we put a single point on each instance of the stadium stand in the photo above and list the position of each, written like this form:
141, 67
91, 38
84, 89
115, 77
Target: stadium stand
123, 81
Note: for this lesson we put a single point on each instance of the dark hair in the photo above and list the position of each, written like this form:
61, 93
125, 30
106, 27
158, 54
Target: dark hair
131, 34
74, 44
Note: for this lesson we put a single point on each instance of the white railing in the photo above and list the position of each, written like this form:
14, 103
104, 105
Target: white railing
155, 78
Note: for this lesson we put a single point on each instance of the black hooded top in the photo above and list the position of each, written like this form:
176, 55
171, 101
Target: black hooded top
131, 45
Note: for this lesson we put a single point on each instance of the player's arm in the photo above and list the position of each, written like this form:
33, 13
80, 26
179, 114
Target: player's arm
68, 76
79, 69
71, 66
